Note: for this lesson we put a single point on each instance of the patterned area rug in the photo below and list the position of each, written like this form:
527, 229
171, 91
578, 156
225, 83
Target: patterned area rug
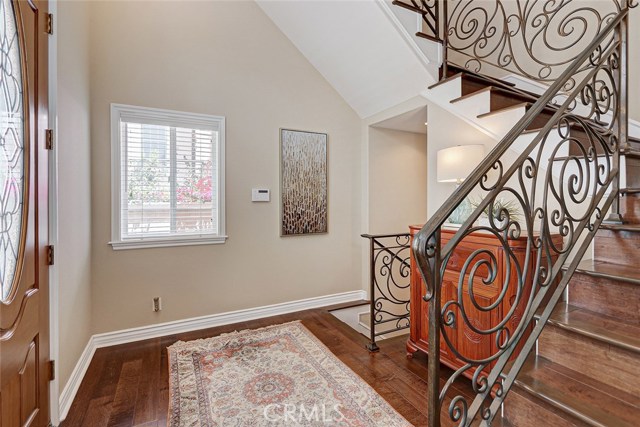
281, 375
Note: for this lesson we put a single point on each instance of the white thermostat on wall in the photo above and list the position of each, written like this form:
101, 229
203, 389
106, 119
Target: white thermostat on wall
260, 195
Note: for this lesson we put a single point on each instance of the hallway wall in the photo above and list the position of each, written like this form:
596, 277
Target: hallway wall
397, 180
73, 260
229, 59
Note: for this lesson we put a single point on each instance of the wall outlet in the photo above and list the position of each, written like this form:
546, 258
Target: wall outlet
157, 304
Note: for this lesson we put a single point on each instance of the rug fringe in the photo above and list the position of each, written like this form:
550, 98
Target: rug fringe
180, 343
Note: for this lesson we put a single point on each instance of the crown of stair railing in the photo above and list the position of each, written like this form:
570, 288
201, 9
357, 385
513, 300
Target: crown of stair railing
564, 179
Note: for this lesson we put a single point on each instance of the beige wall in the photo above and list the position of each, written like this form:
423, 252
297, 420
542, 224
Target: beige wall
397, 188
73, 259
397, 180
368, 216
223, 58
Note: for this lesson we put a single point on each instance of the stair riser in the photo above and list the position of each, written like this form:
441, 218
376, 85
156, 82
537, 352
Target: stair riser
541, 120
606, 296
630, 205
522, 409
475, 104
606, 363
471, 86
500, 100
618, 247
632, 175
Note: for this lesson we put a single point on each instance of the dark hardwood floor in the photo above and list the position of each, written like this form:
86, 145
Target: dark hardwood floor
127, 385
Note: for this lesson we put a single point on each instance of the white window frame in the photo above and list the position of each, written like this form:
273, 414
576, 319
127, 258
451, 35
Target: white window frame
168, 118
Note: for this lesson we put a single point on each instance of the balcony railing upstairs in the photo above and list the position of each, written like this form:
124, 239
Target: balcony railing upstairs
565, 181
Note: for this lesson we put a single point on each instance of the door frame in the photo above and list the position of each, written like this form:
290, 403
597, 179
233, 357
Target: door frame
54, 280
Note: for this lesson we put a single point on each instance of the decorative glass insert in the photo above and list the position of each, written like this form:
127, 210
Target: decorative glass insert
12, 150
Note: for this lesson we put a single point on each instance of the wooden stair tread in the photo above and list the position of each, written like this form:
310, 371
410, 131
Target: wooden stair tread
467, 75
498, 90
608, 270
469, 95
446, 80
610, 330
631, 152
582, 397
630, 191
527, 105
505, 109
452, 69
621, 227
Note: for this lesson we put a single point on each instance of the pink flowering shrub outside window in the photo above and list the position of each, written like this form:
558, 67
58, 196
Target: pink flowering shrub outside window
196, 189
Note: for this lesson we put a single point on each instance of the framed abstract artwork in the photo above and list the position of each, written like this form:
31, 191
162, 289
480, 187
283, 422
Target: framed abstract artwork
303, 183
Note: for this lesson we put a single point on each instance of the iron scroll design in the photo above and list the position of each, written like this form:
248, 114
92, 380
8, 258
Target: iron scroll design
389, 291
537, 39
564, 181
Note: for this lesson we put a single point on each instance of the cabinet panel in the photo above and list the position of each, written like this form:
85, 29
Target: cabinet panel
468, 342
447, 295
472, 344
461, 254
510, 296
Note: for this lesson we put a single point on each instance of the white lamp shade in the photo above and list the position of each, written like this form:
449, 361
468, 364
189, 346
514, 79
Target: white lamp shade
456, 163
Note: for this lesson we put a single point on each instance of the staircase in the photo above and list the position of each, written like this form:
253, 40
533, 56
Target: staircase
589, 352
574, 357
588, 358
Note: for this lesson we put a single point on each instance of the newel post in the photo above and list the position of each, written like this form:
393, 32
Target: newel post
372, 346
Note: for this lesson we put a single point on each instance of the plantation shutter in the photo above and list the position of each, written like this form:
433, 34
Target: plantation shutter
168, 177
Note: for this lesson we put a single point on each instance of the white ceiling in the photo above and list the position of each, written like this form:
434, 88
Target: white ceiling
358, 47
411, 121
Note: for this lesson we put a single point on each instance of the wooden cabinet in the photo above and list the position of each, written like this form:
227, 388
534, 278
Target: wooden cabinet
468, 342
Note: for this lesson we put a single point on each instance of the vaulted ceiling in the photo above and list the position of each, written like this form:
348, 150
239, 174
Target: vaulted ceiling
364, 48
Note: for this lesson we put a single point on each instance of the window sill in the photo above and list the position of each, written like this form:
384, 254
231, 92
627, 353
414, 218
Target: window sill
167, 243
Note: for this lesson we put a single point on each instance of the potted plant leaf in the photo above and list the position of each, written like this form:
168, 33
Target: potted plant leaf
497, 210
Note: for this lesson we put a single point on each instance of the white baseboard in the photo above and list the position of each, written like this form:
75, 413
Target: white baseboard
73, 384
179, 326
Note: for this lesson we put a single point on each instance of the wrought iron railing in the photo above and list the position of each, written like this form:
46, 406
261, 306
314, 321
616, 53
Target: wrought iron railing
389, 284
564, 181
537, 39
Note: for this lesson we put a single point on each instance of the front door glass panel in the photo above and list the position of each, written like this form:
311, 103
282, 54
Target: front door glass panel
12, 151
